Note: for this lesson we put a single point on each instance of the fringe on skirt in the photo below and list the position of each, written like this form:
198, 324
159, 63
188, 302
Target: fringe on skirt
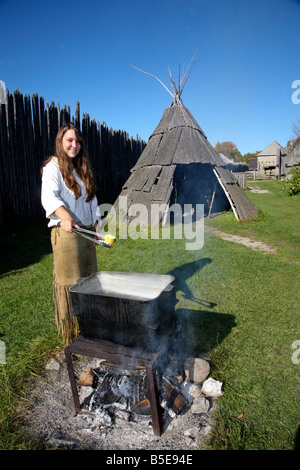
74, 257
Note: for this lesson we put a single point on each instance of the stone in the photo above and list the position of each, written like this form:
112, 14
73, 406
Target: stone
190, 442
196, 370
60, 357
85, 393
53, 364
191, 432
200, 405
212, 388
195, 391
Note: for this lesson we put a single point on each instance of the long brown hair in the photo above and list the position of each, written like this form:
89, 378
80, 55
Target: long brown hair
80, 163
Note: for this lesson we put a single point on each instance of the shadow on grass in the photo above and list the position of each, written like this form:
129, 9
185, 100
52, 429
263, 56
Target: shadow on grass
202, 330
184, 272
23, 245
199, 330
297, 440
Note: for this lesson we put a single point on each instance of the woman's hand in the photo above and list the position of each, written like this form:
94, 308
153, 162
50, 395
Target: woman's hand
67, 224
66, 220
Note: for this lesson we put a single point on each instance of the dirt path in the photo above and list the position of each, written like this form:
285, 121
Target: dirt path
253, 244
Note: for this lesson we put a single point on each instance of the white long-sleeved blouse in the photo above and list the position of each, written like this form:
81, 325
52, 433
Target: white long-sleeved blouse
55, 194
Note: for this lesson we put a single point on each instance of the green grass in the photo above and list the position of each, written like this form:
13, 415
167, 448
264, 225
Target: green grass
241, 306
279, 223
26, 320
261, 408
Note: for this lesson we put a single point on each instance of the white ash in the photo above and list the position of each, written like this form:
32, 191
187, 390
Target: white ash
51, 416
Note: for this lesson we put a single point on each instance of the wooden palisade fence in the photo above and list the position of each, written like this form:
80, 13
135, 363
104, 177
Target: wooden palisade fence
28, 129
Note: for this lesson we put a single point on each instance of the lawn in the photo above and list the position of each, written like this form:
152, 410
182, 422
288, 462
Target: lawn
241, 306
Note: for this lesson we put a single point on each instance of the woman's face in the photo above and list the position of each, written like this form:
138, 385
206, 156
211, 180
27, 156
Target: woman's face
71, 145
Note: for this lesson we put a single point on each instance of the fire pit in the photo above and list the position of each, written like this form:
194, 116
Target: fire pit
127, 318
124, 357
130, 309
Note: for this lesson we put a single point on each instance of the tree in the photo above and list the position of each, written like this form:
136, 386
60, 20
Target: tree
229, 149
296, 128
292, 185
246, 158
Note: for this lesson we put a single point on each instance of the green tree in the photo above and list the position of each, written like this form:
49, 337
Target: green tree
247, 156
292, 186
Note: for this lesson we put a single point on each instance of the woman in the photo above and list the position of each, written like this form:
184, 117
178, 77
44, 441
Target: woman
69, 199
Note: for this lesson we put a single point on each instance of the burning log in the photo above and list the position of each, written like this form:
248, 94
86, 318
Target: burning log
117, 386
87, 377
143, 407
176, 401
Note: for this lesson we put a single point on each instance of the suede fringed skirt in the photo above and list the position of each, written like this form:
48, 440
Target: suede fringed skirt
74, 257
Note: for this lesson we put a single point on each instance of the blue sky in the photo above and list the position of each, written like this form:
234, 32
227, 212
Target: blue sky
240, 88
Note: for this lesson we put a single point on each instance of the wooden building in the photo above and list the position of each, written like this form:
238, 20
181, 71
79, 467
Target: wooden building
267, 160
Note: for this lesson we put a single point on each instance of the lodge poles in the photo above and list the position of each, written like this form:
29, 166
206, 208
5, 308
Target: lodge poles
182, 79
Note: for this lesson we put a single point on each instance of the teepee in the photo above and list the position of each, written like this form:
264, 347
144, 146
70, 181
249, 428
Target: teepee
179, 165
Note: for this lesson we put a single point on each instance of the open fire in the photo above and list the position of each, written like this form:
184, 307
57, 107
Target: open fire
115, 411
129, 319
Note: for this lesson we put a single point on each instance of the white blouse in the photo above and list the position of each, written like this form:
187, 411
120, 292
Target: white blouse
55, 194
